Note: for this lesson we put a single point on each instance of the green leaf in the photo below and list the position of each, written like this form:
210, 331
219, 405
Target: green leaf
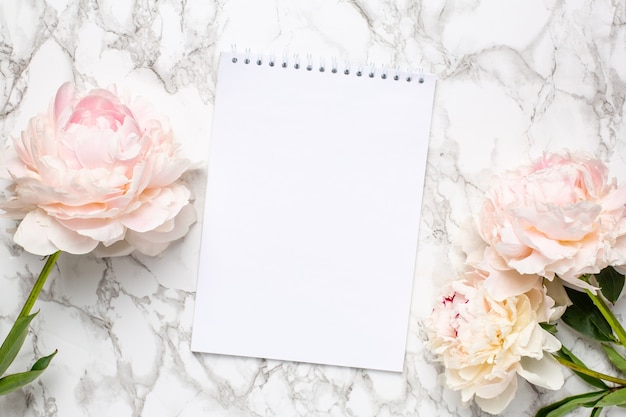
596, 412
561, 408
14, 341
596, 382
583, 322
14, 381
608, 315
617, 397
39, 283
611, 283
549, 327
616, 359
584, 317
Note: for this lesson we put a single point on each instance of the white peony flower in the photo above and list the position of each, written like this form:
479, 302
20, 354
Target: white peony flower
485, 343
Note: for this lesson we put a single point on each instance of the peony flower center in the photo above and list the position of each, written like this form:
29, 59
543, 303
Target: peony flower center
101, 112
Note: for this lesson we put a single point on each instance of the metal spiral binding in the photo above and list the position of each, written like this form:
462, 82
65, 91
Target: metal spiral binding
309, 64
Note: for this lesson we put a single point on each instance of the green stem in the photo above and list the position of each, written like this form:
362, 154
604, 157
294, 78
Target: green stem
41, 280
609, 316
587, 371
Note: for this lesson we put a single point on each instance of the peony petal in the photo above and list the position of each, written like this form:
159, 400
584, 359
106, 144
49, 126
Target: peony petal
63, 102
496, 386
545, 372
106, 231
177, 227
121, 248
571, 223
90, 146
69, 241
153, 243
11, 166
551, 343
167, 169
32, 234
156, 211
101, 108
42, 235
549, 248
496, 405
505, 284
535, 263
615, 200
509, 244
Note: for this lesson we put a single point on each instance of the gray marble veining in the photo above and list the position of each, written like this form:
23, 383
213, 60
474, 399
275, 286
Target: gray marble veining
515, 79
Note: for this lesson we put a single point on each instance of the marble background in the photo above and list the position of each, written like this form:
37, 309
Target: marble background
515, 79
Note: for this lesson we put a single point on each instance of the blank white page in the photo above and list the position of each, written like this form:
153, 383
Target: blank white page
312, 213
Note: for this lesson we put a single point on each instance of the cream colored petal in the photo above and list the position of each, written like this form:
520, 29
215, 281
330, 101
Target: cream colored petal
545, 372
497, 404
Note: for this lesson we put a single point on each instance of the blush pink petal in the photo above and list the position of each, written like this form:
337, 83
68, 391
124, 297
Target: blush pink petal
165, 170
64, 212
107, 231
507, 283
25, 149
101, 108
152, 243
534, 263
548, 248
32, 234
91, 147
177, 228
561, 223
63, 101
69, 241
41, 235
510, 244
154, 212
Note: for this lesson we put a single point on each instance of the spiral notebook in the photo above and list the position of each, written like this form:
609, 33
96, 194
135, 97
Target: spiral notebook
312, 212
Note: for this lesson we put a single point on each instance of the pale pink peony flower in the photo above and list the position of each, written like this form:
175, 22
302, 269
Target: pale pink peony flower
503, 281
560, 215
486, 343
97, 172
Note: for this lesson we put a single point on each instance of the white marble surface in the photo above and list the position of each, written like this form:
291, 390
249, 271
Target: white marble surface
515, 79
